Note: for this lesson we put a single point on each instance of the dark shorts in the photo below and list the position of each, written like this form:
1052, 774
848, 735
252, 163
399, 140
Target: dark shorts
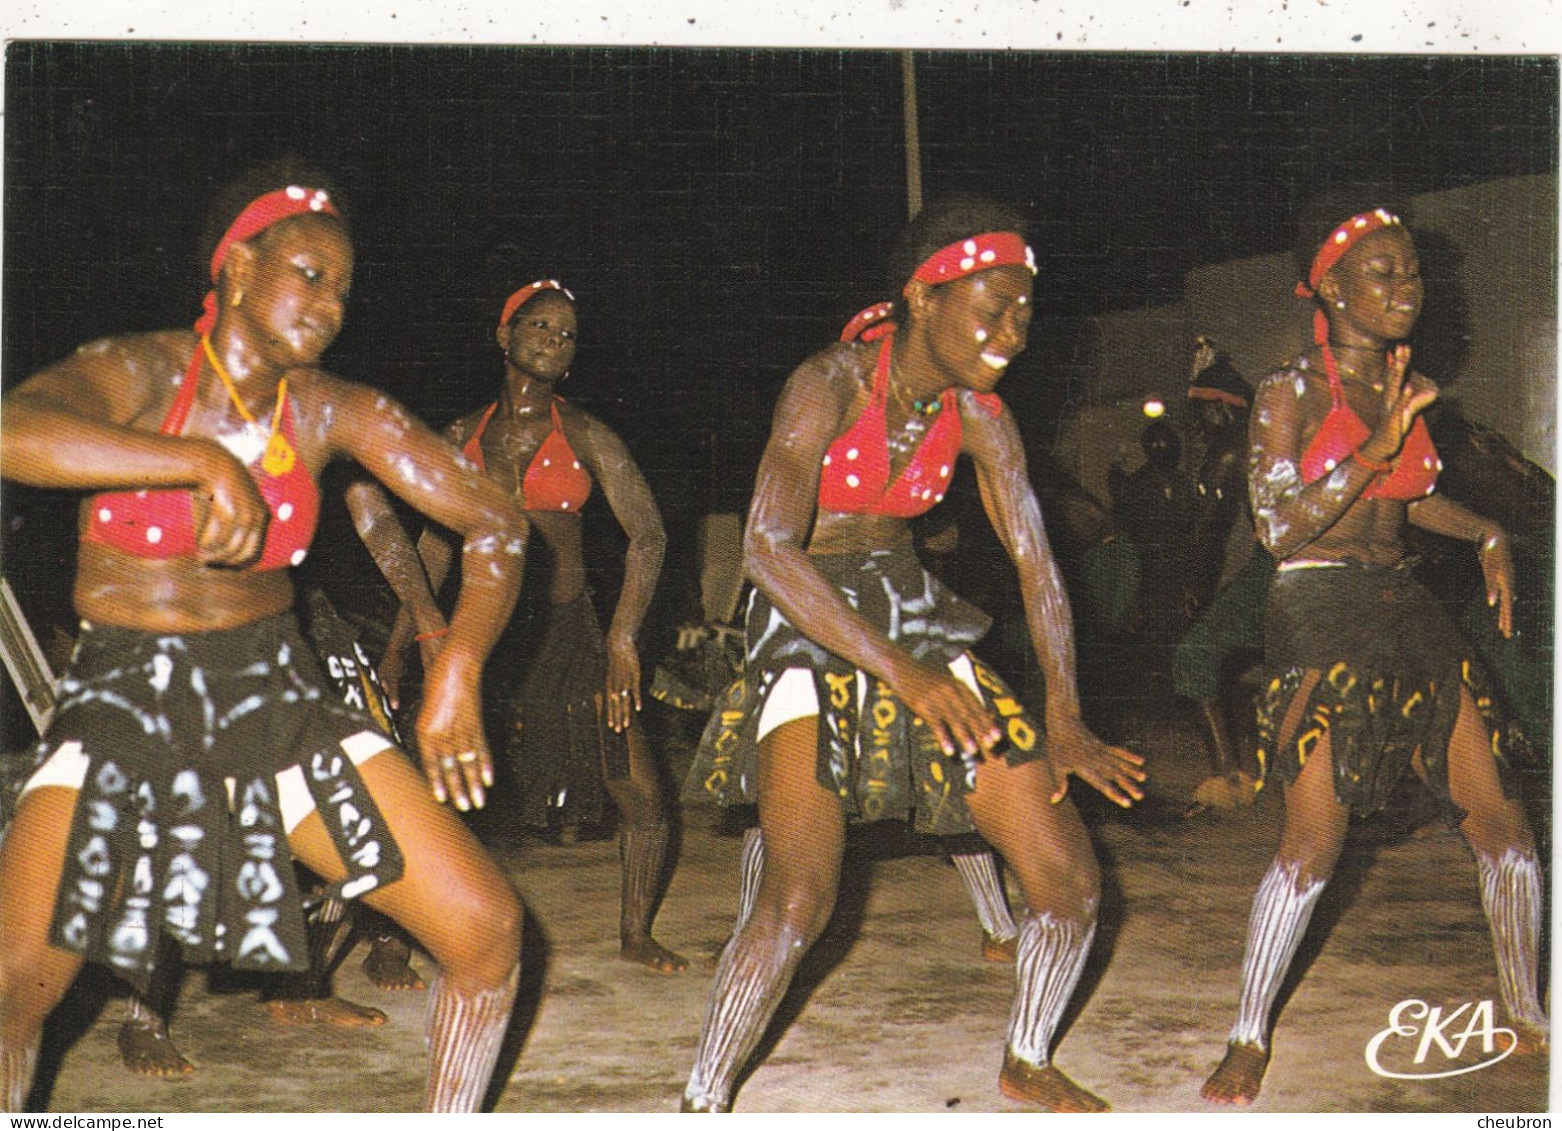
193, 755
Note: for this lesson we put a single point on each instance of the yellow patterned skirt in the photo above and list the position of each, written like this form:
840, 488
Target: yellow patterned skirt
1365, 655
878, 757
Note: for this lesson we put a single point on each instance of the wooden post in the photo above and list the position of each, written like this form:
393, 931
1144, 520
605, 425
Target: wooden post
908, 83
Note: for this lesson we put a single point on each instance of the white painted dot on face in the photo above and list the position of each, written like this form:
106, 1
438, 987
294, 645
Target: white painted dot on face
938, 498
140, 494
944, 470
1439, 465
927, 492
1428, 462
1429, 490
967, 263
851, 453
105, 515
154, 534
981, 335
564, 506
970, 247
827, 461
1330, 464
988, 256
1341, 236
577, 465
295, 192
284, 512
547, 462
299, 556
853, 481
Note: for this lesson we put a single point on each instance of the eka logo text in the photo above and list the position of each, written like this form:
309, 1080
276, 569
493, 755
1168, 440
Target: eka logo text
1447, 1034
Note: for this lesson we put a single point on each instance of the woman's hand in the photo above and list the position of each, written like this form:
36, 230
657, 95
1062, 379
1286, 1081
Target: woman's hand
1405, 396
451, 744
958, 719
1111, 770
621, 690
228, 513
1497, 568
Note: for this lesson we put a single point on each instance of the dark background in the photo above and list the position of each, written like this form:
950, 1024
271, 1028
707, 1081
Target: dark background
718, 213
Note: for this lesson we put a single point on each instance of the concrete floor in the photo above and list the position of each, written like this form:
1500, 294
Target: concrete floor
894, 1010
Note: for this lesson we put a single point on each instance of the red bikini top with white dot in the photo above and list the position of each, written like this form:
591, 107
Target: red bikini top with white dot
159, 524
854, 477
1414, 474
554, 479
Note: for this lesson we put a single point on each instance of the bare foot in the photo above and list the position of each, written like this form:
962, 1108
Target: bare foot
999, 950
653, 956
323, 1011
147, 1051
1229, 791
1045, 1088
387, 966
1239, 1076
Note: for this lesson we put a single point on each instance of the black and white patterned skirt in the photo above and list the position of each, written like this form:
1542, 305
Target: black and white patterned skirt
195, 755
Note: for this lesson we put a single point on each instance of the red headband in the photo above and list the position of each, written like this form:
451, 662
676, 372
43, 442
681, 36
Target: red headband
1345, 237
868, 324
973, 254
1205, 393
529, 291
258, 215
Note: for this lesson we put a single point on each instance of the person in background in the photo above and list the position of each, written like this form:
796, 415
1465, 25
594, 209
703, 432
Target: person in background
576, 738
1153, 506
1227, 615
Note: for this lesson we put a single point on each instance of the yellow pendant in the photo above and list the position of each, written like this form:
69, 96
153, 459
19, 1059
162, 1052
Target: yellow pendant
279, 457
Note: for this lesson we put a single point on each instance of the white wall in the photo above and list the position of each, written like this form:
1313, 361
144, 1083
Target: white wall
1506, 236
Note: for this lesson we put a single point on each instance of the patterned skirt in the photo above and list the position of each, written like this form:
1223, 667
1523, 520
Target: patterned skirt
1390, 666
189, 751
874, 754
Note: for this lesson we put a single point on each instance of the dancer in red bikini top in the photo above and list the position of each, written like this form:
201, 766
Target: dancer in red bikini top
191, 685
1368, 680
547, 453
861, 698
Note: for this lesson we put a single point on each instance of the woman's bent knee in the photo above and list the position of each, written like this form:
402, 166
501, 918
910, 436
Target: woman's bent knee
31, 985
799, 914
481, 943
